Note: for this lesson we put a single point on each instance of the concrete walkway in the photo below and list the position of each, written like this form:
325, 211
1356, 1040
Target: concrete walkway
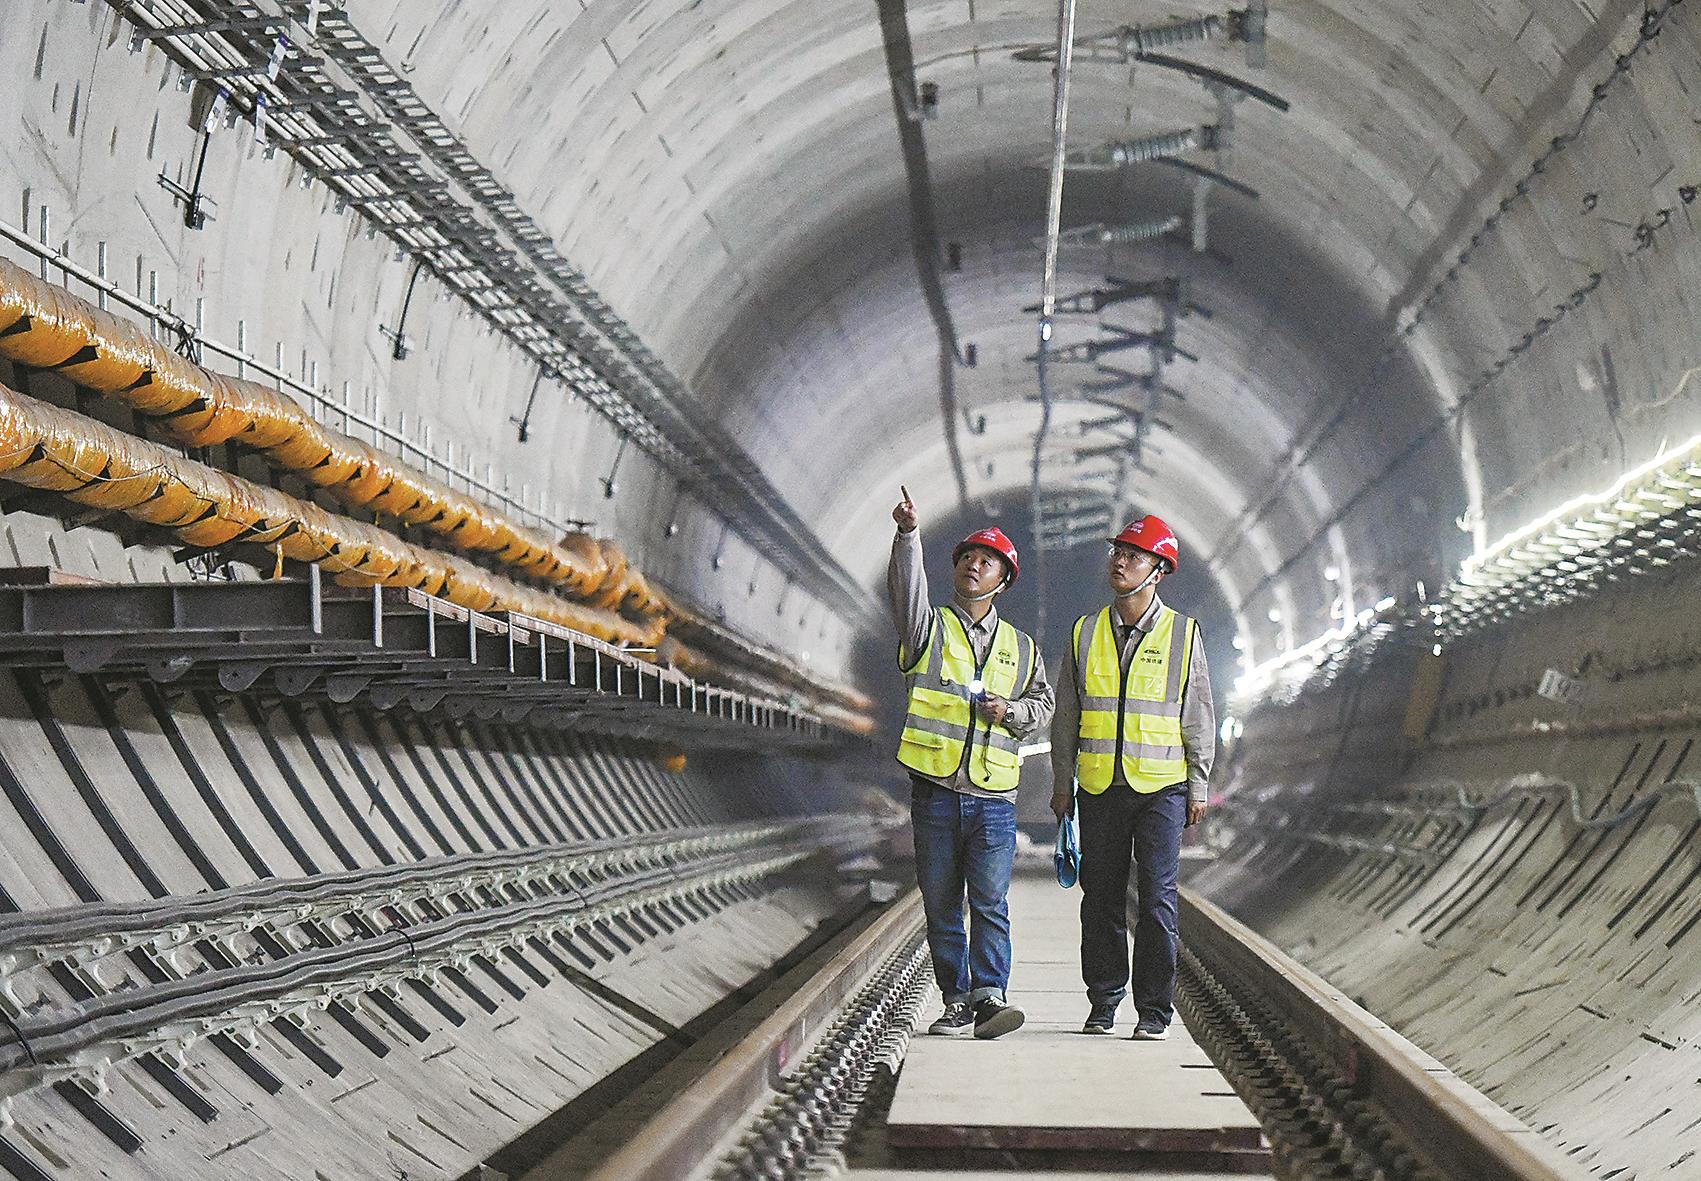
1050, 1092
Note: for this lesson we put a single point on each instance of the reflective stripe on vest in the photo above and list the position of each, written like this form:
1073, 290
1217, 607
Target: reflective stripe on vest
941, 720
1147, 704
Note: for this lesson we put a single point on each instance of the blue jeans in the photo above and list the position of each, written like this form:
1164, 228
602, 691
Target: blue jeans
965, 844
1117, 825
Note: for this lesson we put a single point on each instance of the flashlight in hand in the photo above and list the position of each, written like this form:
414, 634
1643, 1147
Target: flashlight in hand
977, 690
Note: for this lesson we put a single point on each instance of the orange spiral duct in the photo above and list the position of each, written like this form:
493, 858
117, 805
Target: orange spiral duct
86, 461
46, 327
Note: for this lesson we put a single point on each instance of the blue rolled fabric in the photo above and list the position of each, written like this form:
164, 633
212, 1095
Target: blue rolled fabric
1067, 855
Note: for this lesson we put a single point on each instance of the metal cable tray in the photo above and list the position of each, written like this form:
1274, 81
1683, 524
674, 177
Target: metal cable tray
294, 638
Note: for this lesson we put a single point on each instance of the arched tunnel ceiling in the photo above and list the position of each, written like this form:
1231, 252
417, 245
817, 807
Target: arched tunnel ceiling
729, 176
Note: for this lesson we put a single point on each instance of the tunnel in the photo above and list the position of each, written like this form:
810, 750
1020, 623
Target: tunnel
448, 458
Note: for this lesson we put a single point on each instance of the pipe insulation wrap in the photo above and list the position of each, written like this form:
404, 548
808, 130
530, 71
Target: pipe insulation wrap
46, 327
86, 461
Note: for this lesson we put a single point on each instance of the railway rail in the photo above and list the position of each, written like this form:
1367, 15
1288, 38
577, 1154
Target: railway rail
803, 1091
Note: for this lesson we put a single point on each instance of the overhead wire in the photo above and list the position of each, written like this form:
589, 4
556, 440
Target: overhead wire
1048, 279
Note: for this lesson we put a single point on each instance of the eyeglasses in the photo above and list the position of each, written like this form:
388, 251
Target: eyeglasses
1127, 553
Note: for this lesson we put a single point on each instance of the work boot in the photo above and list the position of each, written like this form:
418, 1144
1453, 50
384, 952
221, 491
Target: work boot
958, 1020
1102, 1019
994, 1018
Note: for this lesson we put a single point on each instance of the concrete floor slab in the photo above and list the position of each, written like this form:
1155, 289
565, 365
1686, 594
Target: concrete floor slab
1049, 1085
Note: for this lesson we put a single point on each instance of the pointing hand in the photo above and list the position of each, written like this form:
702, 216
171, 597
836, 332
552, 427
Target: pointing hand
905, 514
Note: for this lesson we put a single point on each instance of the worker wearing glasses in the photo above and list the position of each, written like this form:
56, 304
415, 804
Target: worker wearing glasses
1135, 728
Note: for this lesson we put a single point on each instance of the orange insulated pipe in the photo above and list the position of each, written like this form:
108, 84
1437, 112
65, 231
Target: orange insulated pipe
46, 327
86, 461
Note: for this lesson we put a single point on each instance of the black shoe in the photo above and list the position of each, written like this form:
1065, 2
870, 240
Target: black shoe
1101, 1020
1149, 1031
958, 1020
994, 1018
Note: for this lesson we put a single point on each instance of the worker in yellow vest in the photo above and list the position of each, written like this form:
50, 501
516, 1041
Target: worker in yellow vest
1135, 727
976, 688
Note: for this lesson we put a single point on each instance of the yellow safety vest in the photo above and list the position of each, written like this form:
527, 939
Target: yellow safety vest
942, 720
1146, 702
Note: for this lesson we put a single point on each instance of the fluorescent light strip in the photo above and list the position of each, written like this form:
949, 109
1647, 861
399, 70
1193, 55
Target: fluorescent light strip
1578, 511
1570, 540
1558, 554
1296, 665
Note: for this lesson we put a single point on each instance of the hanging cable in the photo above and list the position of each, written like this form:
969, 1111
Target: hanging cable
1048, 281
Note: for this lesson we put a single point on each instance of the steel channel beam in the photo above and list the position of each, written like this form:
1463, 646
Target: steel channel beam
64, 928
393, 645
95, 610
120, 1024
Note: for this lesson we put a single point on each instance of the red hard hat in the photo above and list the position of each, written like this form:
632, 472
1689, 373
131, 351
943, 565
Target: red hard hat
994, 540
1153, 536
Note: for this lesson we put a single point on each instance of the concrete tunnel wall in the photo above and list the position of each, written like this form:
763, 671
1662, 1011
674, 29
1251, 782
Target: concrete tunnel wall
1404, 136
1554, 964
804, 322
1466, 293
304, 287
117, 792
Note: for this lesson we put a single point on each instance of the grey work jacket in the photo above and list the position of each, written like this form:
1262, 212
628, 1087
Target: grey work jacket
1198, 711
